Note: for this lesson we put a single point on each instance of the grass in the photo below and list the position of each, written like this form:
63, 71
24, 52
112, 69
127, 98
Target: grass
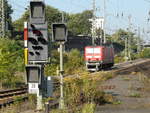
118, 102
135, 95
126, 78
88, 108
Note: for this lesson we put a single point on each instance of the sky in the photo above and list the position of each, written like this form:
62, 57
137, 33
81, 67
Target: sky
137, 9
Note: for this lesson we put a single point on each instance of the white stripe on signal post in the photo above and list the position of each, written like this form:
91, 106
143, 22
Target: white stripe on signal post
25, 25
25, 43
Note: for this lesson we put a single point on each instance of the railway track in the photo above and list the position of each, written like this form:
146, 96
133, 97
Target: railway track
140, 65
10, 96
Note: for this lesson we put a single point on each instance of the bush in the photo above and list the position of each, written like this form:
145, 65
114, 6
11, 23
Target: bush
72, 60
11, 61
145, 53
54, 64
119, 59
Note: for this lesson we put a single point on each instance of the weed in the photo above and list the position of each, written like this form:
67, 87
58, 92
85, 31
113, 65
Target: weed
32, 101
126, 78
109, 98
59, 111
135, 95
88, 108
118, 102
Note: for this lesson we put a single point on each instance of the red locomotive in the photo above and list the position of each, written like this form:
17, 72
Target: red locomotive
98, 57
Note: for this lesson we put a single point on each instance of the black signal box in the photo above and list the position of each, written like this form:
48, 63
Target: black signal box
37, 12
34, 73
59, 32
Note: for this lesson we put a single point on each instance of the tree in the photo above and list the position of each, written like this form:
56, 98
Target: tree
11, 58
18, 25
119, 36
52, 15
8, 12
79, 23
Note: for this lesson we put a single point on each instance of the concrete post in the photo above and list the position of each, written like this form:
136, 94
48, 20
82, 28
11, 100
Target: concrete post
61, 104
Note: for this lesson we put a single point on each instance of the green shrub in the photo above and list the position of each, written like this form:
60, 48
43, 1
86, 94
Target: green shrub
11, 60
145, 53
72, 60
52, 68
119, 59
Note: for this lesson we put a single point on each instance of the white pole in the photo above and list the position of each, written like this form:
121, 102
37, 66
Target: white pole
61, 104
39, 100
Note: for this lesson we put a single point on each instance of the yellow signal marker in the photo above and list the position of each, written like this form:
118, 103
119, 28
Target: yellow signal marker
26, 56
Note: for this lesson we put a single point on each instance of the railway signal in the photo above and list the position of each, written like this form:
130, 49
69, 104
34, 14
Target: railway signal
34, 77
37, 12
36, 43
34, 73
38, 40
59, 32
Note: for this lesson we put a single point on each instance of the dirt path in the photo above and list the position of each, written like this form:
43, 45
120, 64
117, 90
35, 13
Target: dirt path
130, 94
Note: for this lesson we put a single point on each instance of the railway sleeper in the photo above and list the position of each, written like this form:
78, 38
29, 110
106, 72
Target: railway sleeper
11, 100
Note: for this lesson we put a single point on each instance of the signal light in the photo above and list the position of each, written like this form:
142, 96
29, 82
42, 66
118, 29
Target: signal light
37, 47
33, 41
59, 32
31, 53
37, 12
43, 41
34, 73
37, 53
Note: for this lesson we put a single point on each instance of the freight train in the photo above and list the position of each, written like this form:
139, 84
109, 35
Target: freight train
98, 57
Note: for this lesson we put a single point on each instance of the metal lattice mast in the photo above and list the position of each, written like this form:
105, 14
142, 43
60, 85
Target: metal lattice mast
126, 48
138, 41
2, 16
104, 22
93, 23
129, 39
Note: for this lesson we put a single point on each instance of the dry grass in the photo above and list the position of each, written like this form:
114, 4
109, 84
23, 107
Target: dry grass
20, 106
84, 88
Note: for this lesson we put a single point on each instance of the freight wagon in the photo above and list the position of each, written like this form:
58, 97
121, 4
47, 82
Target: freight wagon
98, 57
